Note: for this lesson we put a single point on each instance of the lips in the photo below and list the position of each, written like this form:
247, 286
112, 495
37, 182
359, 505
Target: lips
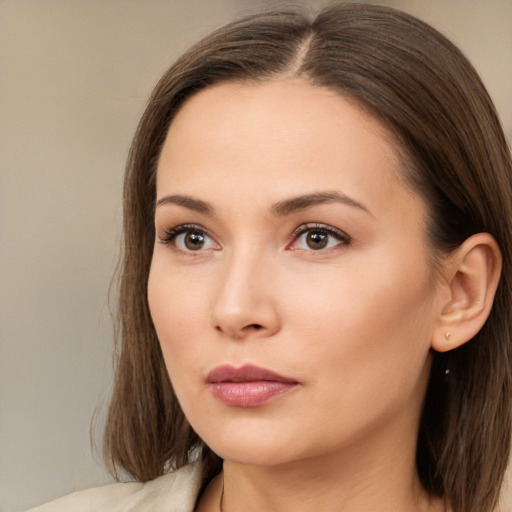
247, 386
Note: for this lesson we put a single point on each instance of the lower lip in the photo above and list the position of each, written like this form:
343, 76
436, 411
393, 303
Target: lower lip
249, 394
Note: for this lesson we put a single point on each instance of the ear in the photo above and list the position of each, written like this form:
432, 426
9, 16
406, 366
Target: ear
470, 279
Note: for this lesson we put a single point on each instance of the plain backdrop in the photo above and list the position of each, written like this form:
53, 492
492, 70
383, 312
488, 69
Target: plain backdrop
74, 78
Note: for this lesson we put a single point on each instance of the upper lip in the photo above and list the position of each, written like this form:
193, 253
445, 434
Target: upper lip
246, 373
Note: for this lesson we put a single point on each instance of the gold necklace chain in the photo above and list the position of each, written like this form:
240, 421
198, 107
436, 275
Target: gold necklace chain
221, 502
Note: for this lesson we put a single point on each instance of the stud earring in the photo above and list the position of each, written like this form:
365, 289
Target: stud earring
447, 336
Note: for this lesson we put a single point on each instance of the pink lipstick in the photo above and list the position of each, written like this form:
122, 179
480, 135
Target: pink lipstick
247, 386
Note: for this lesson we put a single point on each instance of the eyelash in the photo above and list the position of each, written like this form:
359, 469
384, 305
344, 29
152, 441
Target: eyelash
169, 237
342, 237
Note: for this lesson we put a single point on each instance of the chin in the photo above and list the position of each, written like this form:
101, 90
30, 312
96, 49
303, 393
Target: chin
247, 442
255, 455
260, 443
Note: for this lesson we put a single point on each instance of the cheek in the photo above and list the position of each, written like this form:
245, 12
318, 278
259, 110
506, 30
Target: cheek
179, 312
363, 329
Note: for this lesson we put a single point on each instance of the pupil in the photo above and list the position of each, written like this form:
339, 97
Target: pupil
194, 241
316, 240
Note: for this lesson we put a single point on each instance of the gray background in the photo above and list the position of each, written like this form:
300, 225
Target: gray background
74, 78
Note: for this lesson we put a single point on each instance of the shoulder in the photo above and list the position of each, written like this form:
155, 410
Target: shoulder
173, 492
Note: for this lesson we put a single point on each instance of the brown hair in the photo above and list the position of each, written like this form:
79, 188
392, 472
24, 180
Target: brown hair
422, 87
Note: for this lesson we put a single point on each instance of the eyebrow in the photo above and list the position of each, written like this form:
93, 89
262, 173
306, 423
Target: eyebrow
279, 209
288, 206
188, 202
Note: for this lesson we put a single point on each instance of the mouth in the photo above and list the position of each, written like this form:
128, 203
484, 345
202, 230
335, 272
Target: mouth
247, 386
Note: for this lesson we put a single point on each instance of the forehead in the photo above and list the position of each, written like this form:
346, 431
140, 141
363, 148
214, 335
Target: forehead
275, 138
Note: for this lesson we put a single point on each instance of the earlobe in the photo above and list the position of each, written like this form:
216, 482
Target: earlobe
470, 279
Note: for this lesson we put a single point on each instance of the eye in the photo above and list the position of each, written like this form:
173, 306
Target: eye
189, 238
318, 238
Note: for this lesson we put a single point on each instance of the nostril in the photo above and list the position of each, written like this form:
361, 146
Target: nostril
250, 327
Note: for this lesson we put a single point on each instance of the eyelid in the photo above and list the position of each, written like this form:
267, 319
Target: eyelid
341, 236
170, 235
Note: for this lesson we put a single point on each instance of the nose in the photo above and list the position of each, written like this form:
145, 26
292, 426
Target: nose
246, 301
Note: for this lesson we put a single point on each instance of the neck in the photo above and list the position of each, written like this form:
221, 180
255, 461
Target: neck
358, 479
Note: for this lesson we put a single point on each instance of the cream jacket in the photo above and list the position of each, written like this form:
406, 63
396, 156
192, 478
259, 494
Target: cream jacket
174, 492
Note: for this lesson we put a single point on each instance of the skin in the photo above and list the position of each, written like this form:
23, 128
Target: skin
352, 323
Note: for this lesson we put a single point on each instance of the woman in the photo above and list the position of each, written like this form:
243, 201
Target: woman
315, 293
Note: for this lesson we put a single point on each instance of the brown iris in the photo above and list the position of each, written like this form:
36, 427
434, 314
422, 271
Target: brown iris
193, 241
317, 240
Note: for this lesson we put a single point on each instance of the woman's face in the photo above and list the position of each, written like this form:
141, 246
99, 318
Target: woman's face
290, 284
